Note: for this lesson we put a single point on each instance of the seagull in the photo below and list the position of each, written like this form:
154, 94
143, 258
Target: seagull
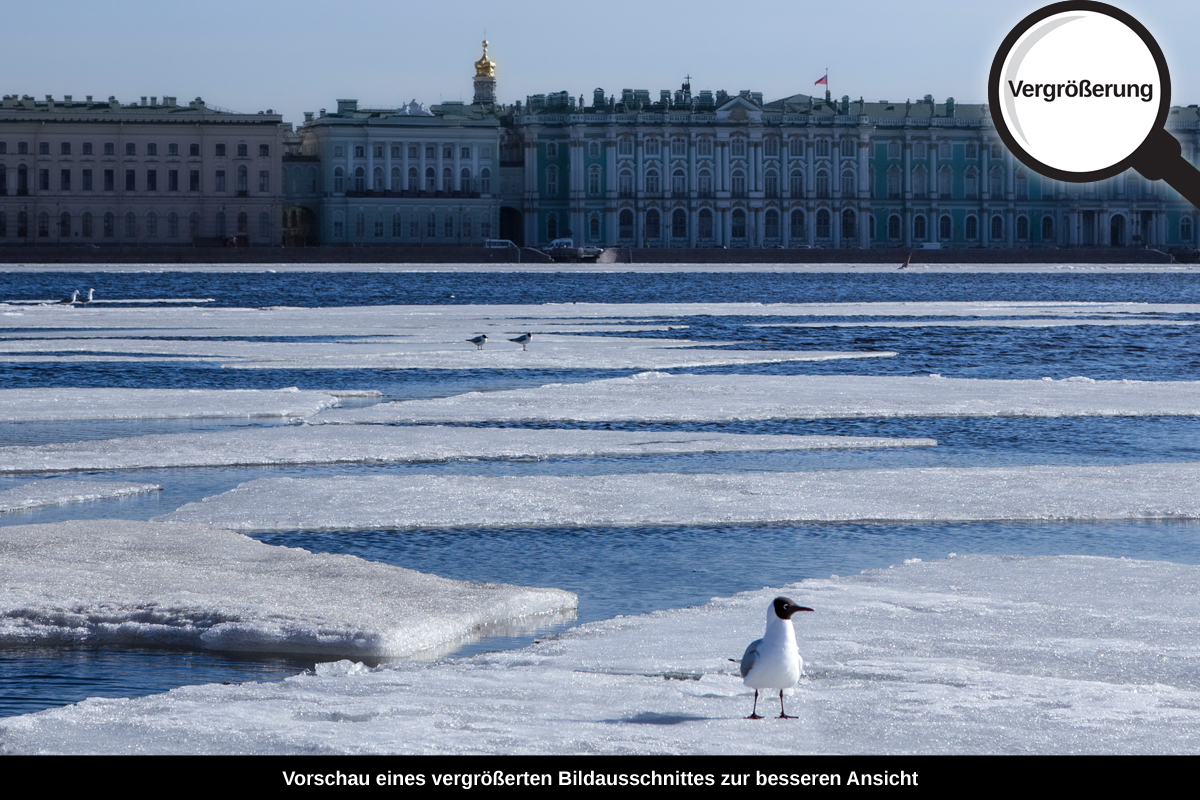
523, 339
69, 301
774, 662
91, 296
478, 341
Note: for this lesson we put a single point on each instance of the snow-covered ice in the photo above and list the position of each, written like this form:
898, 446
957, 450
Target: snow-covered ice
974, 654
39, 494
119, 583
70, 405
660, 397
374, 444
367, 502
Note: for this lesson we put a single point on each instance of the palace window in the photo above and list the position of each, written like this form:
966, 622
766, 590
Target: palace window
704, 146
652, 184
822, 148
738, 226
679, 224
796, 231
706, 224
848, 183
945, 183
823, 231
653, 147
679, 183
796, 148
944, 226
705, 183
653, 224
771, 224
849, 226
770, 146
919, 227
738, 183
893, 148
625, 224
737, 147
972, 228
822, 183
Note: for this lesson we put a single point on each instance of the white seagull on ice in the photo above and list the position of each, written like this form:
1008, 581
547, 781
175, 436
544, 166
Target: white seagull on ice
774, 662
523, 339
478, 341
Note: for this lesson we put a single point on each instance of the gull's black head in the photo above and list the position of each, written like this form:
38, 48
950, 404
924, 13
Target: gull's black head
784, 607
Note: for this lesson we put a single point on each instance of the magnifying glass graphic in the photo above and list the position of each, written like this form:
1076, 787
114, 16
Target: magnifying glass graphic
1079, 91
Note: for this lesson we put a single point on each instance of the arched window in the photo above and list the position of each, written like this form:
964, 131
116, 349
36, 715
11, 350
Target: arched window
653, 224
894, 226
243, 179
770, 146
625, 224
704, 146
594, 227
894, 148
945, 182
920, 183
822, 183
87, 225
822, 148
594, 149
997, 183
339, 180
823, 227
679, 224
678, 183
705, 183
151, 225
972, 228
796, 232
448, 228
739, 224
1022, 227
397, 225
130, 225
796, 183
1047, 228
652, 184
944, 228
396, 182
848, 183
996, 152
552, 226
1185, 228
972, 151
193, 224
771, 224
109, 226
447, 180
464, 180
849, 228
625, 183
377, 179
64, 225
594, 180
360, 224
737, 183
796, 148
414, 180
971, 183
430, 180
1021, 179
997, 227
431, 226
485, 181
625, 146
339, 226
706, 224
678, 146
771, 183
264, 225
737, 147
919, 226
243, 223
893, 182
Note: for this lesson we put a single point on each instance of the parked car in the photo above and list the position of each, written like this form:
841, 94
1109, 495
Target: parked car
560, 244
590, 251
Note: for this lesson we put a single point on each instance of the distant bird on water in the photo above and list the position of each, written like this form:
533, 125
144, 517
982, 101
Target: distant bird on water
91, 296
70, 301
478, 341
523, 340
774, 662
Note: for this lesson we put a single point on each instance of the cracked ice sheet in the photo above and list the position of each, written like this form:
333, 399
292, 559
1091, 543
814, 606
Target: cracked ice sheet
1140, 491
974, 654
70, 405
39, 494
660, 397
119, 583
373, 444
547, 352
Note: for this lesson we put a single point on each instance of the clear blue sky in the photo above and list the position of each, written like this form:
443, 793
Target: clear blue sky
299, 56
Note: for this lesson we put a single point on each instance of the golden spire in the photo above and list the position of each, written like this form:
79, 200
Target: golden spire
485, 67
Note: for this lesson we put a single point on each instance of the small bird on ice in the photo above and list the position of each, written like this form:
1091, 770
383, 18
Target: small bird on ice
478, 341
774, 662
522, 340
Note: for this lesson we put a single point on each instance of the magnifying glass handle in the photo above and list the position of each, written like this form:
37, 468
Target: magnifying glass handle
1161, 158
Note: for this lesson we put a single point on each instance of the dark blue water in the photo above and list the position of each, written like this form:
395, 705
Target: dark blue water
625, 571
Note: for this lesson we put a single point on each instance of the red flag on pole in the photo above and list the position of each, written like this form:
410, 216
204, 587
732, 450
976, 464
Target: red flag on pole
824, 79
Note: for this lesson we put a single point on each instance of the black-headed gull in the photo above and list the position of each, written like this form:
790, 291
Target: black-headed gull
523, 339
478, 341
774, 662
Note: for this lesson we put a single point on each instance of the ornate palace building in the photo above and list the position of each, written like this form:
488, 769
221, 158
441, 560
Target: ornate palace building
705, 169
397, 176
104, 172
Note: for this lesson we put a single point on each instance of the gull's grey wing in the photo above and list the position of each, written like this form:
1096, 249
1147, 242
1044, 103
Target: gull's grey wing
750, 656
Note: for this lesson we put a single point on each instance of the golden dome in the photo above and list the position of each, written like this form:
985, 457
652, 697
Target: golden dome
485, 67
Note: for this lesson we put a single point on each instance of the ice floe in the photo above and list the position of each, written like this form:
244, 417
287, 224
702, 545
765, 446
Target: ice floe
66, 405
1138, 491
374, 444
974, 654
660, 397
39, 494
118, 583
